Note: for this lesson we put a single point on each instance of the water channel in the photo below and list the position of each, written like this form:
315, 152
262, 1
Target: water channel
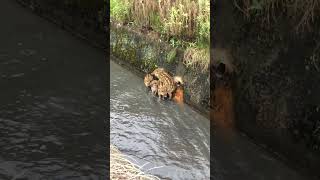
173, 139
53, 115
52, 101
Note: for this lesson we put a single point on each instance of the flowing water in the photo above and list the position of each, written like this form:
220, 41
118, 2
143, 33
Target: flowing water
53, 113
173, 139
52, 101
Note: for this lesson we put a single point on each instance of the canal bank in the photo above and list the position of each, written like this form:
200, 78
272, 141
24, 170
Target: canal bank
143, 53
159, 133
238, 159
276, 87
178, 142
89, 24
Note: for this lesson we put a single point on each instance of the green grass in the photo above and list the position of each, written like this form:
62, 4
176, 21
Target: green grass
182, 23
119, 10
186, 20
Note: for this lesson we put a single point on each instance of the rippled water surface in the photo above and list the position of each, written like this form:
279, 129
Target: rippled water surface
174, 139
53, 113
52, 101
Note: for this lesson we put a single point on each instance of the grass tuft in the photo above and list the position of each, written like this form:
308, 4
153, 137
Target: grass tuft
183, 19
122, 168
300, 13
182, 23
197, 58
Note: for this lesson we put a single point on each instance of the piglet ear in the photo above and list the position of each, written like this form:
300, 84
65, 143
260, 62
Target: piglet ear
178, 80
155, 77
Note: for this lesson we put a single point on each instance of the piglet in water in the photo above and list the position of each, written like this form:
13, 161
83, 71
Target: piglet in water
154, 87
178, 95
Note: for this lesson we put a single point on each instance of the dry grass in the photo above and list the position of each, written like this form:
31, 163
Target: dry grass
197, 59
189, 19
143, 11
183, 23
122, 168
301, 13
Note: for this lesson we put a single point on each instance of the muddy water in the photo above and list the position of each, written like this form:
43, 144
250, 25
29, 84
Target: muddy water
173, 139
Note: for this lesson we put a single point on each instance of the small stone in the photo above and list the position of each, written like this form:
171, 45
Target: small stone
20, 44
43, 59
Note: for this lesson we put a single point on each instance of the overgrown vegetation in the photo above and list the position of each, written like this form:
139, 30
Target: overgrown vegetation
197, 58
302, 14
182, 23
119, 10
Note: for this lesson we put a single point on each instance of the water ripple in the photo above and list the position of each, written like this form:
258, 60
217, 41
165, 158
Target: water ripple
157, 132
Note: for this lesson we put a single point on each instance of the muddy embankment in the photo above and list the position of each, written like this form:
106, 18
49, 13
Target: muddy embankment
85, 19
143, 52
276, 86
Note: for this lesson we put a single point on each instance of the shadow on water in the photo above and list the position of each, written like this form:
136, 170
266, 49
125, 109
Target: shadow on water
162, 133
46, 132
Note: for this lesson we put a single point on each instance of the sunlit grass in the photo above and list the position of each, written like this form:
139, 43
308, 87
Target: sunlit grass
185, 19
183, 23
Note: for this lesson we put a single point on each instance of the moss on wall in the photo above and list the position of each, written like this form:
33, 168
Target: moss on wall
131, 47
276, 89
146, 54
